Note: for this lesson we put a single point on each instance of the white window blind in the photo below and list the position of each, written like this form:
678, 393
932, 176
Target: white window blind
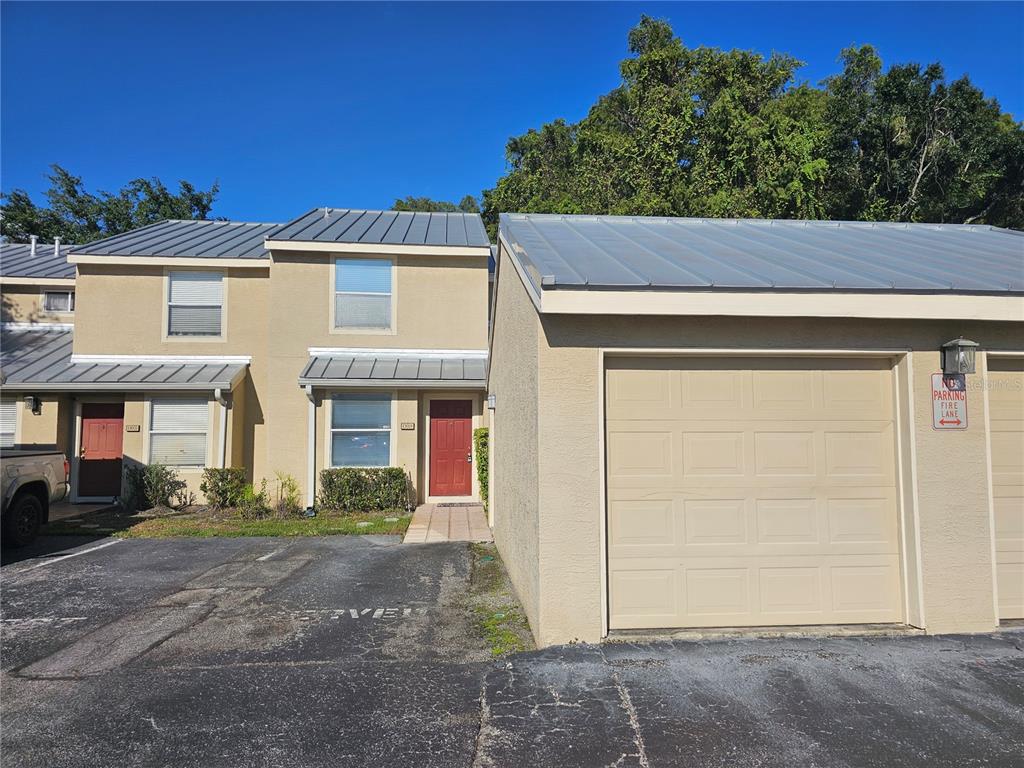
195, 303
362, 293
360, 430
177, 432
59, 301
8, 422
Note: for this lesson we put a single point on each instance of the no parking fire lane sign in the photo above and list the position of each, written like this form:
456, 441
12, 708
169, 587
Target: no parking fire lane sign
949, 401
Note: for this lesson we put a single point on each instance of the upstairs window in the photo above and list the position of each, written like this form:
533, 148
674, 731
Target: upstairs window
195, 303
362, 294
59, 301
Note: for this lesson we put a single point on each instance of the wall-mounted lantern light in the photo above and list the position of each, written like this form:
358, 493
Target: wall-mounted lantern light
958, 356
33, 404
490, 402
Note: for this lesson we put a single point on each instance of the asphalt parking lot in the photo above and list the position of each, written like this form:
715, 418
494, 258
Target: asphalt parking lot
352, 651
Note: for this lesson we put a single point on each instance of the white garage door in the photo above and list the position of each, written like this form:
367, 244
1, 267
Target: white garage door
1006, 416
751, 492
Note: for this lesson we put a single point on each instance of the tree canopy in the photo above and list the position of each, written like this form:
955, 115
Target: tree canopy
77, 216
467, 204
706, 132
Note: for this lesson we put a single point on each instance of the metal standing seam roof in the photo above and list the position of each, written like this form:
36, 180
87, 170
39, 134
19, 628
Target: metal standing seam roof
404, 369
39, 359
199, 239
16, 260
347, 225
636, 253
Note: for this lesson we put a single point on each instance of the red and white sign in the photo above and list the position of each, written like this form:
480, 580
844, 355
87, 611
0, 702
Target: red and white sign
949, 401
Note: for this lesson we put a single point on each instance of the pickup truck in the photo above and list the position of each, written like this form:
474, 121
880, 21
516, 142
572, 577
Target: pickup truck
32, 480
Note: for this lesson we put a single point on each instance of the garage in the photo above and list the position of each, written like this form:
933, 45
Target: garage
714, 425
751, 492
1006, 433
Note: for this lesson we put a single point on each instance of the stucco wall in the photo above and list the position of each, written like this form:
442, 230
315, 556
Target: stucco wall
951, 474
133, 324
514, 476
50, 427
24, 304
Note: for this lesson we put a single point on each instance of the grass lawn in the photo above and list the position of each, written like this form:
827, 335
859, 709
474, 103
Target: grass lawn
499, 618
205, 525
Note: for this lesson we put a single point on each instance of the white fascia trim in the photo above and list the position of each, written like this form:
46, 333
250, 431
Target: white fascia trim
388, 352
169, 261
767, 304
42, 282
477, 384
380, 248
1004, 353
531, 290
161, 359
39, 326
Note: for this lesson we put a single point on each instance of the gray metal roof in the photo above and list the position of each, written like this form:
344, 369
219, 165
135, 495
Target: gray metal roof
186, 239
16, 260
381, 369
39, 358
637, 253
346, 225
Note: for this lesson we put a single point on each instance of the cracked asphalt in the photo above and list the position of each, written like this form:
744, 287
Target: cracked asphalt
352, 651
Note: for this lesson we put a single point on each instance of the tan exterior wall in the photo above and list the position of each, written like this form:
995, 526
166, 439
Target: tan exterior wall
953, 497
134, 325
24, 304
51, 427
441, 303
514, 472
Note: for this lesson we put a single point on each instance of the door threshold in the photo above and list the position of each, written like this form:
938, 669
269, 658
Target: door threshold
766, 633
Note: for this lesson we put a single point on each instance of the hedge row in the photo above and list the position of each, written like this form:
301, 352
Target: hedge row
351, 489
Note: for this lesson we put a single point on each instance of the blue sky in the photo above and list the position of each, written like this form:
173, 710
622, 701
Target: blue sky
295, 105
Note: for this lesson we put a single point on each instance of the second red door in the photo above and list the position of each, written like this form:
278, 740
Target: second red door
451, 447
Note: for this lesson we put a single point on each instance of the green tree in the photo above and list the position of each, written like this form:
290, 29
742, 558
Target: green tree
467, 204
706, 132
78, 216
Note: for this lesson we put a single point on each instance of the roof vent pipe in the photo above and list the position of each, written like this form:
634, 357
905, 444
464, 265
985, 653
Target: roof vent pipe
32, 249
56, 246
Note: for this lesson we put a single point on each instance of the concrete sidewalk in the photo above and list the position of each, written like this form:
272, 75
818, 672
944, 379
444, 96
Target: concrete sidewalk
433, 522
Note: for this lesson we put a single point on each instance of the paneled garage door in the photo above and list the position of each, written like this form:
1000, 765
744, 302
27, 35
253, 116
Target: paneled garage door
751, 492
1006, 416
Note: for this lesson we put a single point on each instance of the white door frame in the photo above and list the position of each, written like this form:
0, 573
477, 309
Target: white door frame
908, 512
476, 421
79, 402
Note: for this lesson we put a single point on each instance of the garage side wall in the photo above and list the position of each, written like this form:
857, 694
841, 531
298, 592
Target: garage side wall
514, 461
951, 472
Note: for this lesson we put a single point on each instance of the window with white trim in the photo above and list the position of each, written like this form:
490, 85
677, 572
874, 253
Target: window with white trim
195, 303
362, 294
8, 422
59, 301
177, 432
361, 430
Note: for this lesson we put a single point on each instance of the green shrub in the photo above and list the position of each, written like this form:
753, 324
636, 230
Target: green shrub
223, 487
155, 485
289, 500
480, 447
354, 489
253, 504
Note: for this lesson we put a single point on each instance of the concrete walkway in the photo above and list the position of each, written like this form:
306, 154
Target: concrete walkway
62, 510
432, 522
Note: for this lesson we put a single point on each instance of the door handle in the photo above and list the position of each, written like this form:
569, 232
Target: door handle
469, 458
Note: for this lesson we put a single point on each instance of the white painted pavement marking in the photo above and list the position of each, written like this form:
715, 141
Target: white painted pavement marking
263, 558
73, 554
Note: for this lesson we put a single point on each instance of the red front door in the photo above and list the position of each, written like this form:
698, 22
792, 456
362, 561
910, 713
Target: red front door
451, 447
100, 456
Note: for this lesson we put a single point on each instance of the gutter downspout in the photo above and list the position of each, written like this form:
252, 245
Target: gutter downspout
311, 449
222, 437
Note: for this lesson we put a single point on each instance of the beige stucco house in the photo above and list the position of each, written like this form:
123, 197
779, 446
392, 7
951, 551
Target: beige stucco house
38, 283
343, 338
710, 424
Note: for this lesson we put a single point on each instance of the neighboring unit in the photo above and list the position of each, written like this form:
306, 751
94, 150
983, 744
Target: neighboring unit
38, 283
343, 338
715, 423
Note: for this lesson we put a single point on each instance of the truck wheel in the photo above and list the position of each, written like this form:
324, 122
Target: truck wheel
22, 521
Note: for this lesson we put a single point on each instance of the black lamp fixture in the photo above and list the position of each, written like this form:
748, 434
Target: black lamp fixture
958, 356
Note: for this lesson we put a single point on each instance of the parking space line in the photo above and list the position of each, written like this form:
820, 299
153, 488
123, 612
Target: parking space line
73, 554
